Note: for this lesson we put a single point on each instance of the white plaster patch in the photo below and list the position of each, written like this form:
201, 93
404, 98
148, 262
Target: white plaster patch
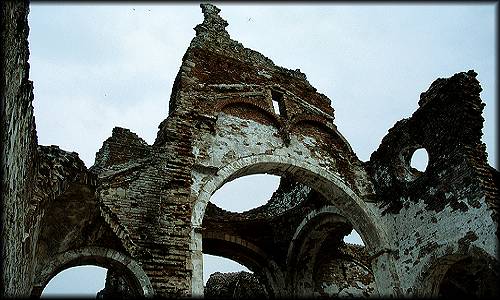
415, 226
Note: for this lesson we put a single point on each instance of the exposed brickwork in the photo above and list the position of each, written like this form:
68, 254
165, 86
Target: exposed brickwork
143, 211
456, 195
448, 125
122, 147
116, 287
343, 271
272, 225
239, 285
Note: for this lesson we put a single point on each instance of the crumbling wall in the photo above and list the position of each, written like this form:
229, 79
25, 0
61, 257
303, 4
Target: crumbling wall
143, 191
141, 208
69, 216
343, 271
220, 111
48, 201
116, 286
64, 193
19, 156
229, 90
122, 147
237, 285
228, 86
452, 207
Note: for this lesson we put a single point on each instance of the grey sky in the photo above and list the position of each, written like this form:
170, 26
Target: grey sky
99, 66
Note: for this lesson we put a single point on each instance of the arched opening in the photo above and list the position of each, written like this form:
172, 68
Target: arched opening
226, 268
473, 274
471, 279
325, 187
282, 205
246, 193
81, 281
246, 263
213, 264
420, 159
225, 278
124, 278
329, 185
91, 281
354, 238
320, 262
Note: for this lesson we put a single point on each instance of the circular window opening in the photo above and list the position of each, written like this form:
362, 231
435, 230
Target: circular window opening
420, 160
82, 281
245, 193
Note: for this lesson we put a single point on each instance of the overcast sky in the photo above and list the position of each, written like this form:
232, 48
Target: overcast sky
99, 66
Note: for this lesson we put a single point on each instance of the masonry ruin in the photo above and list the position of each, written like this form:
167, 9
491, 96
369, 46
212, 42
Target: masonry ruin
143, 211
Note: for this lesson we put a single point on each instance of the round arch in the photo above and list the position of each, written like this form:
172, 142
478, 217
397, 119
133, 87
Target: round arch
333, 216
429, 282
306, 242
107, 258
327, 183
247, 254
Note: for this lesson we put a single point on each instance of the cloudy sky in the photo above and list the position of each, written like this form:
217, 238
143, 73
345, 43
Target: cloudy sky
99, 66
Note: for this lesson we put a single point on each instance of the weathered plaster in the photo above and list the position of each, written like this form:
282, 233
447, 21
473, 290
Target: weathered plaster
144, 210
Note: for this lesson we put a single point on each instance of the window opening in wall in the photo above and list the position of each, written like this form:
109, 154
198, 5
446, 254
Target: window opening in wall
81, 281
277, 98
420, 159
276, 107
354, 238
245, 193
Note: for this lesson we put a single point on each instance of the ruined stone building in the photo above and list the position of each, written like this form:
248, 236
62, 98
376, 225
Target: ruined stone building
143, 211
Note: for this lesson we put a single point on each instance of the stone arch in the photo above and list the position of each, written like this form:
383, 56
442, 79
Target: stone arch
429, 282
330, 185
331, 134
317, 230
248, 109
304, 248
316, 120
330, 211
247, 254
107, 258
327, 183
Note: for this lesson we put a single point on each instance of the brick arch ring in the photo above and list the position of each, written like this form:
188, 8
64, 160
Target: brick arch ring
427, 282
270, 269
96, 256
328, 211
330, 185
300, 280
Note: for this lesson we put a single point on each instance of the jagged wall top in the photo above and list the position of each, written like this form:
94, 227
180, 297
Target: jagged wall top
214, 59
212, 22
211, 34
